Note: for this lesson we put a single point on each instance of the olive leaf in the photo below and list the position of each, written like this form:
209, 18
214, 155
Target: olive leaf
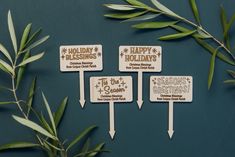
142, 18
92, 152
60, 111
212, 68
232, 73
80, 136
125, 15
45, 124
6, 67
96, 150
164, 9
33, 37
7, 103
12, 32
223, 18
49, 113
34, 126
177, 36
195, 10
154, 25
35, 44
230, 82
25, 36
31, 59
18, 145
120, 7
21, 70
138, 3
31, 95
5, 53
85, 147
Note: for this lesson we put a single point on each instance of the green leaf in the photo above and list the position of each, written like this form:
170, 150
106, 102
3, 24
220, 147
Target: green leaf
97, 150
93, 152
31, 59
142, 18
12, 31
231, 72
212, 68
79, 137
230, 82
154, 25
120, 7
25, 36
224, 23
34, 126
7, 103
21, 70
51, 145
85, 147
125, 16
165, 9
7, 67
137, 3
45, 124
49, 113
223, 18
60, 111
184, 30
6, 53
4, 69
229, 25
18, 145
195, 10
31, 95
177, 36
33, 37
226, 31
35, 44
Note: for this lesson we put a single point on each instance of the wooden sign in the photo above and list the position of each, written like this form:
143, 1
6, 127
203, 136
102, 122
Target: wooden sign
171, 89
81, 58
110, 89
140, 59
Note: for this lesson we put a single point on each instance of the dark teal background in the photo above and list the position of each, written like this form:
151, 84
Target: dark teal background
204, 128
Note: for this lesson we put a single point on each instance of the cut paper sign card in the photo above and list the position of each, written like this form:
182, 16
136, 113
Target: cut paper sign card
80, 58
140, 59
109, 89
171, 89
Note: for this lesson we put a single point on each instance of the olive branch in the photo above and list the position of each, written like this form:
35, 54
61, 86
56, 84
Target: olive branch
136, 11
46, 131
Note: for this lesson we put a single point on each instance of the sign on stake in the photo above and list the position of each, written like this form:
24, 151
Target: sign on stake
111, 89
81, 58
140, 59
171, 89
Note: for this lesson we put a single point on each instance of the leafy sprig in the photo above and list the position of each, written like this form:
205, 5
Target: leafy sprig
45, 129
136, 11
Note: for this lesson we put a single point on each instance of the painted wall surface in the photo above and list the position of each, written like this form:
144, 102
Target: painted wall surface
203, 128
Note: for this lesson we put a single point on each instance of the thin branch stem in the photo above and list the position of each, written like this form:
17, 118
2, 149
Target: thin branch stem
16, 97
